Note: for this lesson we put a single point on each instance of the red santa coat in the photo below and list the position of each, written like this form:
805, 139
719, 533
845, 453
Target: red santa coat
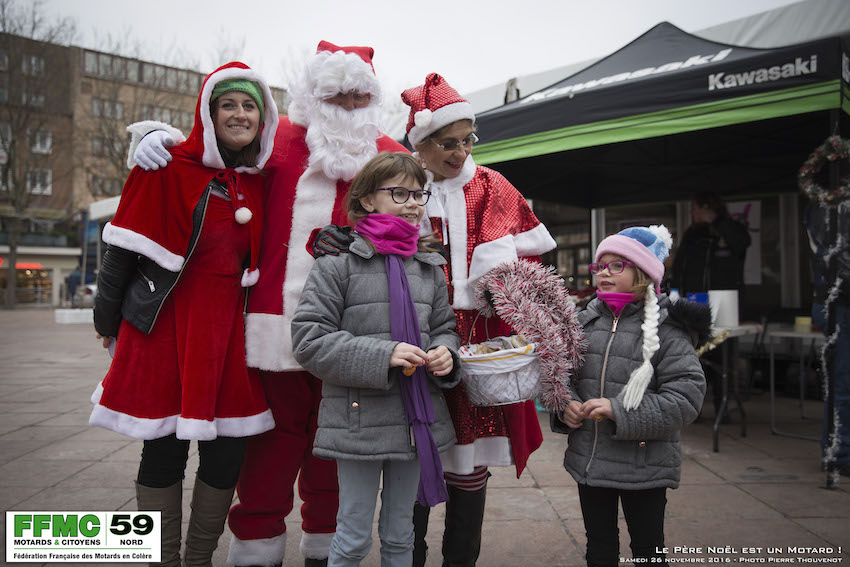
484, 221
188, 374
299, 199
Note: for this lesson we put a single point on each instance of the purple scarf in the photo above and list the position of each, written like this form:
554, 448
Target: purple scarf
398, 239
616, 301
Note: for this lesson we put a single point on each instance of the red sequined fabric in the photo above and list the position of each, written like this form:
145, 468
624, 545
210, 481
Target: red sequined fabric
433, 95
494, 208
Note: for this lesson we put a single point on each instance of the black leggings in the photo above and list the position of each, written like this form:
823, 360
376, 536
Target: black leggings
164, 461
644, 513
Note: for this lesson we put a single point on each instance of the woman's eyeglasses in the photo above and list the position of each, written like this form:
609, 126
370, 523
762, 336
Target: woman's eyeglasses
452, 145
400, 195
614, 268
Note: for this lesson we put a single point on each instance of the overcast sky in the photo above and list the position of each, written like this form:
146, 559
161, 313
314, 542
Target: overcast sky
473, 43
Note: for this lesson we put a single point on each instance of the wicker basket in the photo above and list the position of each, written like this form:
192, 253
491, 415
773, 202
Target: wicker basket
502, 370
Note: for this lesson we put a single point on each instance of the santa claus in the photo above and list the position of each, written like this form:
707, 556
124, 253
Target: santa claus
330, 133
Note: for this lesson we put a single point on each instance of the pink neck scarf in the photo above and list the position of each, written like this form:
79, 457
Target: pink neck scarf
616, 301
389, 234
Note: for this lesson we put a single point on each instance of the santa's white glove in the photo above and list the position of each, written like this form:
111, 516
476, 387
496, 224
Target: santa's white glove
152, 152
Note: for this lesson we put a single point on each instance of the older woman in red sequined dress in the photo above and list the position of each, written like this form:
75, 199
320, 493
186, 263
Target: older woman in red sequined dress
483, 221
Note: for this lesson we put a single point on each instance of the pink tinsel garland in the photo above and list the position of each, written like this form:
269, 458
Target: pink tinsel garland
532, 299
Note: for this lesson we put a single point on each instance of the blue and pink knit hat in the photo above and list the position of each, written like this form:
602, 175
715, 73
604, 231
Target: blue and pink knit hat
647, 247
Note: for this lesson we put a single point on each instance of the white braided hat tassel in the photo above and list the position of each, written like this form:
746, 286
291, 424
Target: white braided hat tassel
632, 394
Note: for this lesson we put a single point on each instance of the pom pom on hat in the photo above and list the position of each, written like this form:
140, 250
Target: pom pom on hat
243, 215
422, 119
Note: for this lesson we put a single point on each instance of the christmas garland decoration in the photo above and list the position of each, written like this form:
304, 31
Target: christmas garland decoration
532, 299
834, 148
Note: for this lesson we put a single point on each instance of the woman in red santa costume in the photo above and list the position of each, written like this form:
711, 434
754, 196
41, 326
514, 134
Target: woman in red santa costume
330, 133
483, 222
171, 292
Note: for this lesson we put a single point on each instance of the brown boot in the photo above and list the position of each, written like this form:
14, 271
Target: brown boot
167, 500
206, 523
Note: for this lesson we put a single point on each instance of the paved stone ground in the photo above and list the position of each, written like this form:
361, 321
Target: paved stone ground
761, 491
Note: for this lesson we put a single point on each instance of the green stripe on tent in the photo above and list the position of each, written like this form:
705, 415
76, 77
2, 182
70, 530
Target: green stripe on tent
774, 104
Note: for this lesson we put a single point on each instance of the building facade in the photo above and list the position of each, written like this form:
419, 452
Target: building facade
63, 145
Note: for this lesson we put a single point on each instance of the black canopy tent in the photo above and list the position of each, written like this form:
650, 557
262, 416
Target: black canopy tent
671, 114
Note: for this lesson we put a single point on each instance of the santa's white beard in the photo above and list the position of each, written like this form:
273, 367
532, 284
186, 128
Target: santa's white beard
341, 141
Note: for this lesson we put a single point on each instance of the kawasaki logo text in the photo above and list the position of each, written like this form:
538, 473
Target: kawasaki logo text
800, 66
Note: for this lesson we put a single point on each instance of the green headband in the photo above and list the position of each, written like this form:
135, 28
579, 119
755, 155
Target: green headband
250, 88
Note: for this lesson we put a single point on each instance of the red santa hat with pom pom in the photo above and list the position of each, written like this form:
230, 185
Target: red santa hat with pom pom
432, 106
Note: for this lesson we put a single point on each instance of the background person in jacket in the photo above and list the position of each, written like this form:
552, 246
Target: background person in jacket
641, 383
171, 291
482, 221
712, 251
376, 326
711, 256
330, 133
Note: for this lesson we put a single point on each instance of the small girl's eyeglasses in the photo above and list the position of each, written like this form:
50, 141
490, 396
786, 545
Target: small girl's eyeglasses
401, 195
614, 268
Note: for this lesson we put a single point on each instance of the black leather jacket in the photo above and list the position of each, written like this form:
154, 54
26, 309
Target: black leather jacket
134, 287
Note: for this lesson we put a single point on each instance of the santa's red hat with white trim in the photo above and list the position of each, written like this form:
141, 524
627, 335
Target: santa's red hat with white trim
432, 106
338, 69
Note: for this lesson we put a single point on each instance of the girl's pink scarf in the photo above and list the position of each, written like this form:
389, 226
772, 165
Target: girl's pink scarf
616, 301
389, 234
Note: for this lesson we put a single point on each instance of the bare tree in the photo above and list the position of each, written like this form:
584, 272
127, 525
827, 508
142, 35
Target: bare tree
124, 89
34, 86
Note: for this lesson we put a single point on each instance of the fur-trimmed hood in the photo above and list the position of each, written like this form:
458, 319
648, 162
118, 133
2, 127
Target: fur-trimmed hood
693, 318
201, 144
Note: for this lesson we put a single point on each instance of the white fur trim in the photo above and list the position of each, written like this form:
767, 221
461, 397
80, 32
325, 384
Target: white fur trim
316, 546
268, 337
135, 242
193, 429
422, 119
136, 427
243, 215
488, 255
250, 277
534, 242
448, 202
264, 552
212, 157
243, 426
139, 130
443, 116
483, 452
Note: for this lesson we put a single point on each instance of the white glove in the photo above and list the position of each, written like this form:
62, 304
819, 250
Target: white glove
152, 152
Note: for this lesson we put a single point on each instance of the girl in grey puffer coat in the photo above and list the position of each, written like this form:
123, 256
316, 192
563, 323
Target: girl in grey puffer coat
375, 325
641, 383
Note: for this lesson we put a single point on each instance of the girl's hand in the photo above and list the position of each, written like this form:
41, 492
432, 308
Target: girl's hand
572, 415
407, 356
440, 361
598, 409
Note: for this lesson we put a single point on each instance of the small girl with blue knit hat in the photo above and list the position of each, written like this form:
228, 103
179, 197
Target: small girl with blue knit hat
641, 383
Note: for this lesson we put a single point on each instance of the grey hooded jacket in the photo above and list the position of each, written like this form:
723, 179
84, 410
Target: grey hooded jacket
639, 449
341, 334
